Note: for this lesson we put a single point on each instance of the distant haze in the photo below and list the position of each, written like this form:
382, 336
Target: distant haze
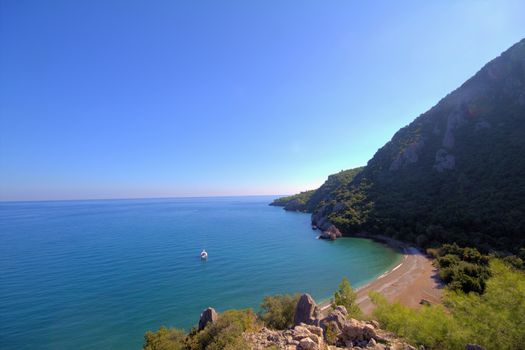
107, 99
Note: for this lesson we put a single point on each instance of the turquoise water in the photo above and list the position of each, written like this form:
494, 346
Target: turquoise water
98, 274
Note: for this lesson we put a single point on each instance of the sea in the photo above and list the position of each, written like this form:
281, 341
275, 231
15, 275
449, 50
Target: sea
98, 274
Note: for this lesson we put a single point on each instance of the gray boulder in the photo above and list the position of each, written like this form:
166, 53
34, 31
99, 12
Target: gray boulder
209, 315
357, 332
306, 311
334, 321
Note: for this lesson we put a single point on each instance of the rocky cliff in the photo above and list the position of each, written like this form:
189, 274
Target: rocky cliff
456, 173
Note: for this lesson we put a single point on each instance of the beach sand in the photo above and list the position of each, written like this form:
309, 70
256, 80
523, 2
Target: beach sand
414, 279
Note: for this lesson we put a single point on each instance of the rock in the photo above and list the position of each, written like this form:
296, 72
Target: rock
355, 335
209, 315
355, 331
341, 309
307, 344
454, 120
320, 220
474, 347
409, 155
374, 323
369, 332
334, 321
318, 331
444, 161
424, 302
306, 311
331, 233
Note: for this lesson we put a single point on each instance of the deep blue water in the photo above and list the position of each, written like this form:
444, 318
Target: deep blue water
98, 274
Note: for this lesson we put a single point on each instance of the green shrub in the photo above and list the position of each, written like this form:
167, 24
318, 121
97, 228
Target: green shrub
464, 269
277, 311
165, 339
495, 319
346, 297
430, 326
226, 333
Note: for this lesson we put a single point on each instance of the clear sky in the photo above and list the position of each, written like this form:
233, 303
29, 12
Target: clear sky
110, 99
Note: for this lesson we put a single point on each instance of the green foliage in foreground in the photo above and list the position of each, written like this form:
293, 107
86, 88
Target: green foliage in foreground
225, 334
277, 311
346, 297
165, 339
495, 319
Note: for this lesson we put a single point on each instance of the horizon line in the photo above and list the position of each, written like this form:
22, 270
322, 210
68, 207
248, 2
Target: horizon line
137, 198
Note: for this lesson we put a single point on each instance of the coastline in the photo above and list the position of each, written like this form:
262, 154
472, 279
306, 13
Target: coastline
412, 280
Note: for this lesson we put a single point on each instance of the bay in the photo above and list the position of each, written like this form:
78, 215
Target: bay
99, 273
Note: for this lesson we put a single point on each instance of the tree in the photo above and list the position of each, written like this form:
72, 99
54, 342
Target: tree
277, 311
346, 297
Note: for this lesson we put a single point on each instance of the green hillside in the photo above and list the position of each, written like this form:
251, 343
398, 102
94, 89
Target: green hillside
455, 174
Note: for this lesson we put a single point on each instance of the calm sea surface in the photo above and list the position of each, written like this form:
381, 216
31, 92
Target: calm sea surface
98, 274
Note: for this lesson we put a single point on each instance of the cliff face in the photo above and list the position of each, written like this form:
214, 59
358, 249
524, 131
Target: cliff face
456, 173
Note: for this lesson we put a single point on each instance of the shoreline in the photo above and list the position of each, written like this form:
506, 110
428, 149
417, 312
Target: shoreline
409, 282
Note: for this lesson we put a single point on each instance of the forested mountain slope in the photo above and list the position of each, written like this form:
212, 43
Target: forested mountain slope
456, 173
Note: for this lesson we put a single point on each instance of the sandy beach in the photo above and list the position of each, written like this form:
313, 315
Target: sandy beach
412, 280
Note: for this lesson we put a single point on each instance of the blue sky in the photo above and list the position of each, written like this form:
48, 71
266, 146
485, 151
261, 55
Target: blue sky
111, 99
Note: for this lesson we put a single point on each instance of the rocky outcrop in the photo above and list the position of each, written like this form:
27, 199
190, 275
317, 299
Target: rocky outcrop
209, 315
334, 322
306, 311
354, 335
332, 233
444, 161
301, 337
320, 220
334, 331
407, 156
